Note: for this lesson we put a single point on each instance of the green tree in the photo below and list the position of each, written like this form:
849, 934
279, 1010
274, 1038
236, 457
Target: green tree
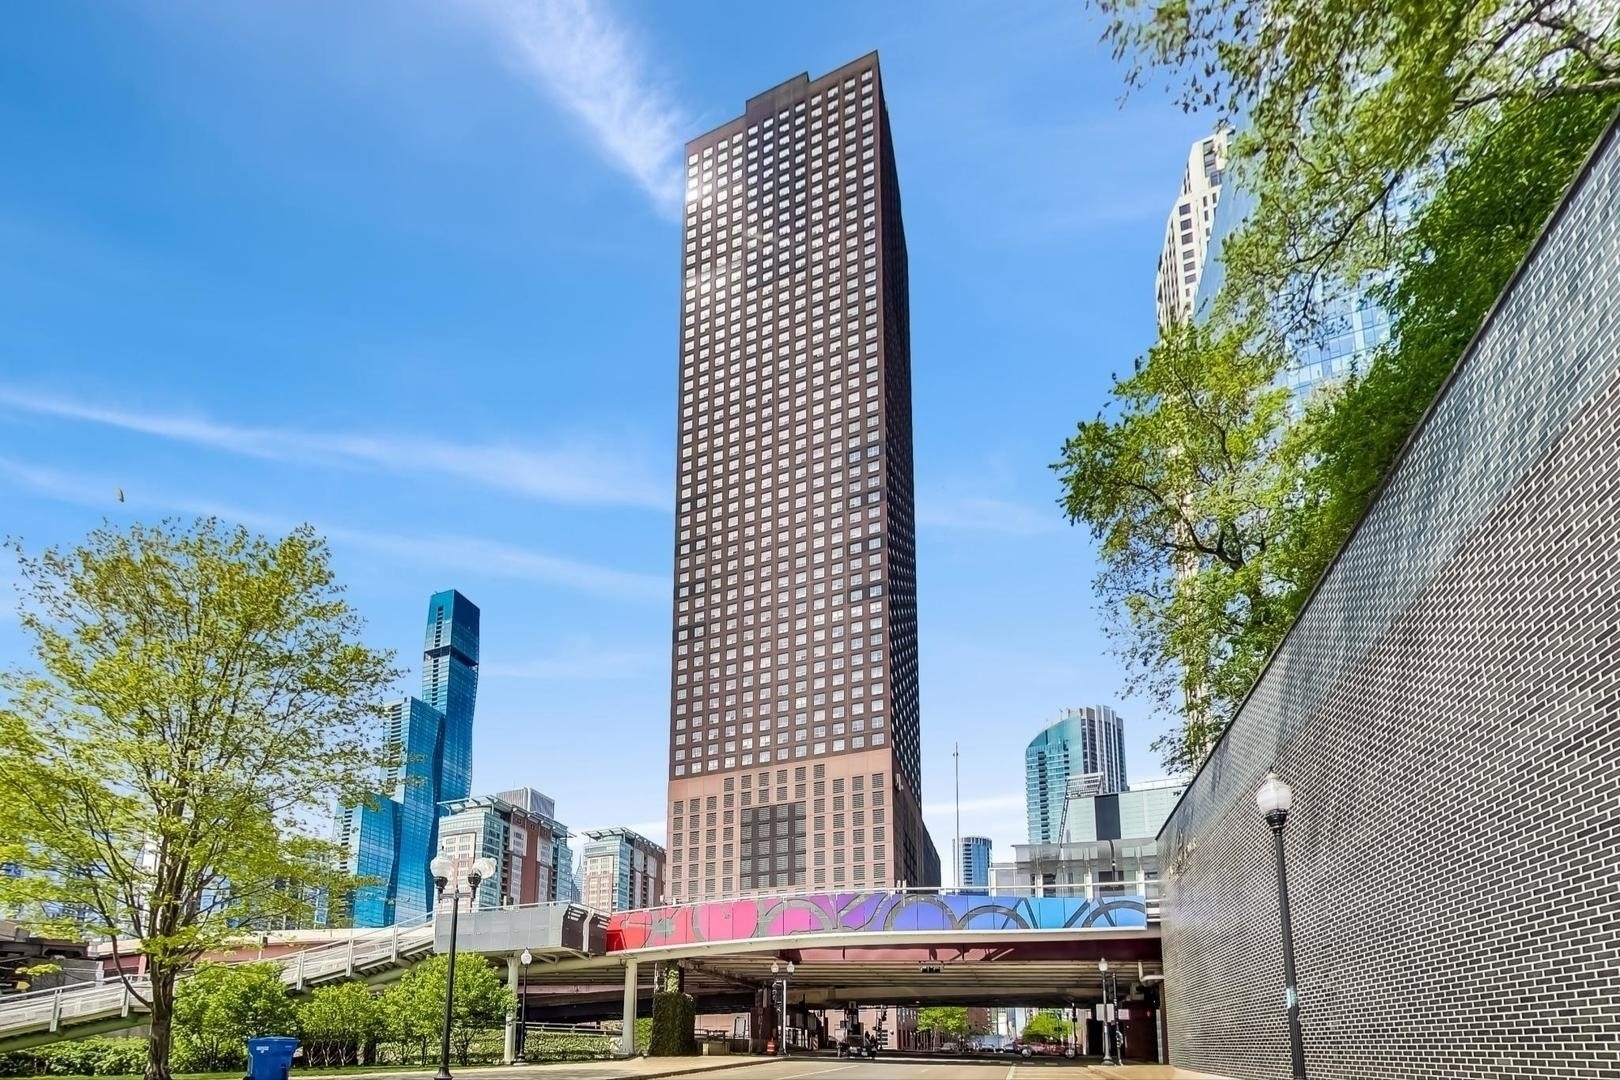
1353, 111
1046, 1027
1188, 486
1453, 263
201, 695
413, 1008
338, 1022
221, 1006
944, 1021
1416, 147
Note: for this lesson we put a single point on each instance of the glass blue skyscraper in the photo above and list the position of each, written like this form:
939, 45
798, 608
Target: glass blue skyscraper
1084, 742
450, 683
389, 842
974, 869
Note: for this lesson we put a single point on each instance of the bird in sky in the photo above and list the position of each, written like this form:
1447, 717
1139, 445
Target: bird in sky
120, 494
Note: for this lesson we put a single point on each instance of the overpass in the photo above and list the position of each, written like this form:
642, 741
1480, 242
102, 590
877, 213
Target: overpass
907, 946
892, 946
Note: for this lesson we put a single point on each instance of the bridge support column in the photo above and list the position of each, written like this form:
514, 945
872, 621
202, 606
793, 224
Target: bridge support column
627, 1038
509, 1053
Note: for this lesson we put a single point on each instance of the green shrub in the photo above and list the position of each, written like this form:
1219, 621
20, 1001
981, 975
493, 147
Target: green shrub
95, 1056
674, 1017
561, 1046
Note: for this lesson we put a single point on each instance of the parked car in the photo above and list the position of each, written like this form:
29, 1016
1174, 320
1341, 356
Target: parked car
1045, 1050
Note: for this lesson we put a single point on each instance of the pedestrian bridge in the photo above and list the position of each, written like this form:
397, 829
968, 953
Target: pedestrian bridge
868, 919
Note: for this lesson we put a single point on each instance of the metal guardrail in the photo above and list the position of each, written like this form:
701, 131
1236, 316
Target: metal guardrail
51, 1010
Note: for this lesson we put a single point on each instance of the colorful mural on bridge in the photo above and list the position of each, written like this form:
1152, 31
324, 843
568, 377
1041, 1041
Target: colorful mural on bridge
836, 913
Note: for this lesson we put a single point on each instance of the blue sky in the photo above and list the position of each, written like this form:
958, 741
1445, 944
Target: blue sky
409, 271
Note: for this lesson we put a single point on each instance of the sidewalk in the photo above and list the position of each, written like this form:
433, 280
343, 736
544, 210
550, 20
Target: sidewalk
628, 1069
1148, 1072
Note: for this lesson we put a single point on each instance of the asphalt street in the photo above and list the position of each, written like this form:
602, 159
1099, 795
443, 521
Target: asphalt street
989, 1069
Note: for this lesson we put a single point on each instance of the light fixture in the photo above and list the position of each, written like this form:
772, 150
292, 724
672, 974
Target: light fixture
1274, 797
527, 958
441, 867
1102, 965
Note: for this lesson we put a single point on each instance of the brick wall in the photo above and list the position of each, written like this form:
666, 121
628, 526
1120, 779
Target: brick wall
1447, 711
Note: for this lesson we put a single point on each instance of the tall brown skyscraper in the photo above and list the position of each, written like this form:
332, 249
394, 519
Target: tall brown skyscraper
795, 741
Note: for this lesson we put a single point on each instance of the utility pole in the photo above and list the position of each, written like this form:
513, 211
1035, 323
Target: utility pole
956, 757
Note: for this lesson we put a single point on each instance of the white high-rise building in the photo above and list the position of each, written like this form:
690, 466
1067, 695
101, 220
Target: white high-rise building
1186, 234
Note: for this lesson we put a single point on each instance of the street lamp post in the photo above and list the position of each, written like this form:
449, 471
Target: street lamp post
1110, 989
780, 986
1275, 800
442, 867
523, 1005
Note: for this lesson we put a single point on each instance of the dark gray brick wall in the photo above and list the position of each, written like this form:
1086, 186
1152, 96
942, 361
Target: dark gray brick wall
1447, 711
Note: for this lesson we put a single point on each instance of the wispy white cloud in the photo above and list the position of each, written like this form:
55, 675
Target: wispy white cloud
987, 515
464, 553
576, 473
588, 62
577, 662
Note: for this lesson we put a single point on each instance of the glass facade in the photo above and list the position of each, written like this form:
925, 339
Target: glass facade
565, 882
390, 842
1124, 815
1085, 742
517, 833
450, 683
1352, 325
975, 864
623, 870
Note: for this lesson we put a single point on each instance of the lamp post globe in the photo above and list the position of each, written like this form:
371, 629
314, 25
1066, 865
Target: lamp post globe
1275, 799
441, 868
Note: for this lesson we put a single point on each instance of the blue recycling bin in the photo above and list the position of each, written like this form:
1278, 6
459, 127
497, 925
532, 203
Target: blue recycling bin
271, 1057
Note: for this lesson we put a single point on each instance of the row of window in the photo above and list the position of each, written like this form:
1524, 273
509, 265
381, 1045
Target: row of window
713, 888
818, 102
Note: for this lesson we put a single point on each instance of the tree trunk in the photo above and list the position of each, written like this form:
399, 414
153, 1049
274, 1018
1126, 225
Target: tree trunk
161, 1042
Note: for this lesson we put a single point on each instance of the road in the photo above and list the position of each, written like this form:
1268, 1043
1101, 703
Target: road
811, 1068
966, 1069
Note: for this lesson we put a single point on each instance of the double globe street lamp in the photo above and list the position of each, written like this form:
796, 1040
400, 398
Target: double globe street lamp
1275, 800
442, 867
